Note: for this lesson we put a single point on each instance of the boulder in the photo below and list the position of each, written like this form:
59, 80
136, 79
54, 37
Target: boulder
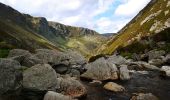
51, 57
124, 72
166, 69
75, 58
142, 96
156, 62
111, 86
18, 52
31, 61
101, 69
54, 57
118, 60
10, 76
25, 58
167, 59
60, 68
40, 77
143, 65
154, 54
50, 95
71, 87
74, 73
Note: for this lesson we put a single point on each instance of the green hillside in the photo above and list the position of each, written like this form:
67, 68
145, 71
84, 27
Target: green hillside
154, 18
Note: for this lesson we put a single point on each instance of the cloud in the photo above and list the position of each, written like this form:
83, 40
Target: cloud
91, 14
131, 7
106, 25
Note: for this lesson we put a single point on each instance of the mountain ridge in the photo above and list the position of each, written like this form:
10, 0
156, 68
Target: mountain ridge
58, 35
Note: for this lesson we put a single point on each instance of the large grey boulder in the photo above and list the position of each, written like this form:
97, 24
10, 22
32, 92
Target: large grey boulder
124, 72
100, 69
118, 60
75, 58
55, 57
24, 57
142, 96
50, 95
71, 87
40, 77
51, 56
10, 76
154, 54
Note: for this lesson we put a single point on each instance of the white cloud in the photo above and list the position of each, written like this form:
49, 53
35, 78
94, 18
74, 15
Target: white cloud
131, 7
106, 25
81, 12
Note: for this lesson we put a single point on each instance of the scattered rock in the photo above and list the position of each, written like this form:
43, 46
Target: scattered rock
156, 62
75, 58
111, 86
40, 77
96, 82
31, 61
51, 57
142, 96
10, 76
144, 66
101, 69
18, 52
50, 95
118, 60
71, 87
154, 54
124, 72
167, 59
74, 73
166, 69
61, 68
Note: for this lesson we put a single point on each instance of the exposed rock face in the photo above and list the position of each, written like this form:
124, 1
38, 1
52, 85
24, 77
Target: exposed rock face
142, 96
40, 77
118, 60
71, 87
124, 72
101, 69
50, 95
114, 87
10, 76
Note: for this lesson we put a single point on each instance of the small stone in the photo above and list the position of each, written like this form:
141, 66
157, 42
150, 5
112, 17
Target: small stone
50, 95
142, 96
111, 86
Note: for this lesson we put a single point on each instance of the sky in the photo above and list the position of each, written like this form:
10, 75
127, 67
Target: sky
103, 16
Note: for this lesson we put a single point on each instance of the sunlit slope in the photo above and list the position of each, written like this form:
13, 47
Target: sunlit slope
154, 18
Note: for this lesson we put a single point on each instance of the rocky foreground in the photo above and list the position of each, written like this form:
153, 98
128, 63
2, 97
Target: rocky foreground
51, 75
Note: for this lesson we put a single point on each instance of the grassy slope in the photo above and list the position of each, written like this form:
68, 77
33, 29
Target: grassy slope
18, 37
134, 29
84, 40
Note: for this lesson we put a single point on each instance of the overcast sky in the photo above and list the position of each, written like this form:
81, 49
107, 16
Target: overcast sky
104, 16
